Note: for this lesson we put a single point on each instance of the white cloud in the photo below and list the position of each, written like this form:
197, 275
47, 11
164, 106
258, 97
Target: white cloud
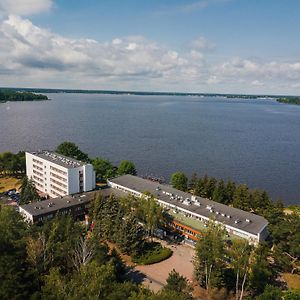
202, 44
33, 56
24, 7
257, 83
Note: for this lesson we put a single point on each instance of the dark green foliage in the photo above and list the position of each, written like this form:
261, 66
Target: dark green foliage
12, 164
292, 295
126, 167
193, 182
131, 235
9, 95
28, 192
241, 198
103, 168
92, 282
117, 262
108, 217
270, 293
262, 271
179, 181
219, 194
205, 187
71, 150
152, 253
177, 283
113, 223
170, 295
15, 281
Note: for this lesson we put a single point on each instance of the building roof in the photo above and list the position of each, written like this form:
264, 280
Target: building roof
227, 215
59, 159
54, 204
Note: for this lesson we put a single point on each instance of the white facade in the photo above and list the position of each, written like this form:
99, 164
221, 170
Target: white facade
57, 175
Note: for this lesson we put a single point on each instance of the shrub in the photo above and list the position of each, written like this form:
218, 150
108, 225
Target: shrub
152, 253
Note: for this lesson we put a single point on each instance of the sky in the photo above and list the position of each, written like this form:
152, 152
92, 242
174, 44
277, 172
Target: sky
209, 46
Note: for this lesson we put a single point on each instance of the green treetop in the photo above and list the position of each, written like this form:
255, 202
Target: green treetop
126, 167
179, 181
71, 150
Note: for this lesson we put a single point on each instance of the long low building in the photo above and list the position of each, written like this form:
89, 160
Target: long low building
76, 205
237, 222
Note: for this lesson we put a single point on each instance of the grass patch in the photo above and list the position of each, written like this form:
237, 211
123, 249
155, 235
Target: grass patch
152, 253
292, 280
294, 208
8, 182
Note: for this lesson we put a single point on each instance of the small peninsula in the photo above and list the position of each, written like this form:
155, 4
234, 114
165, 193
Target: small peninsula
289, 100
9, 95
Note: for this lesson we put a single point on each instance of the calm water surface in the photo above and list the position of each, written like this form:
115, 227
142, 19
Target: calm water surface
251, 141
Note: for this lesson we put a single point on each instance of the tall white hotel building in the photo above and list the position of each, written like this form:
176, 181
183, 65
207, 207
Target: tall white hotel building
57, 175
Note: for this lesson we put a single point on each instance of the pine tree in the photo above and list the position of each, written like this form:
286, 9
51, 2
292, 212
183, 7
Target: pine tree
219, 194
241, 198
230, 190
131, 235
193, 182
210, 187
28, 192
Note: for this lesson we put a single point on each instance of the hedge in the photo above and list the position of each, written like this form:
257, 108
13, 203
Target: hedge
153, 253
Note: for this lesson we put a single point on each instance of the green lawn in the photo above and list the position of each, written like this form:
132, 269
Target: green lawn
193, 223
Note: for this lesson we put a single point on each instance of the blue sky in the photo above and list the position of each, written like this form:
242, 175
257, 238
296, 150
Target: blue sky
232, 46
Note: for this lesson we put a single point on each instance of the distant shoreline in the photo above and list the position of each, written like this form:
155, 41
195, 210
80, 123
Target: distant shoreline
144, 93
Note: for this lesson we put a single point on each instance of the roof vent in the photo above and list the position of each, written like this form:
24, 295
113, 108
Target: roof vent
228, 216
237, 221
248, 220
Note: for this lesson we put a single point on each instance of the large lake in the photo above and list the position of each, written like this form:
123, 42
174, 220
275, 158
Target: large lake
251, 141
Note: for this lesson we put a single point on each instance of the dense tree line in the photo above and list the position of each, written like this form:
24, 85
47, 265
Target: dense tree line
289, 100
126, 221
229, 193
104, 168
9, 95
12, 164
111, 222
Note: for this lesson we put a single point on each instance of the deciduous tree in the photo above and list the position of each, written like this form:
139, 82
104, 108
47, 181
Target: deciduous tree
179, 181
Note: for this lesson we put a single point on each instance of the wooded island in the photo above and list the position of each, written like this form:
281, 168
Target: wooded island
9, 95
